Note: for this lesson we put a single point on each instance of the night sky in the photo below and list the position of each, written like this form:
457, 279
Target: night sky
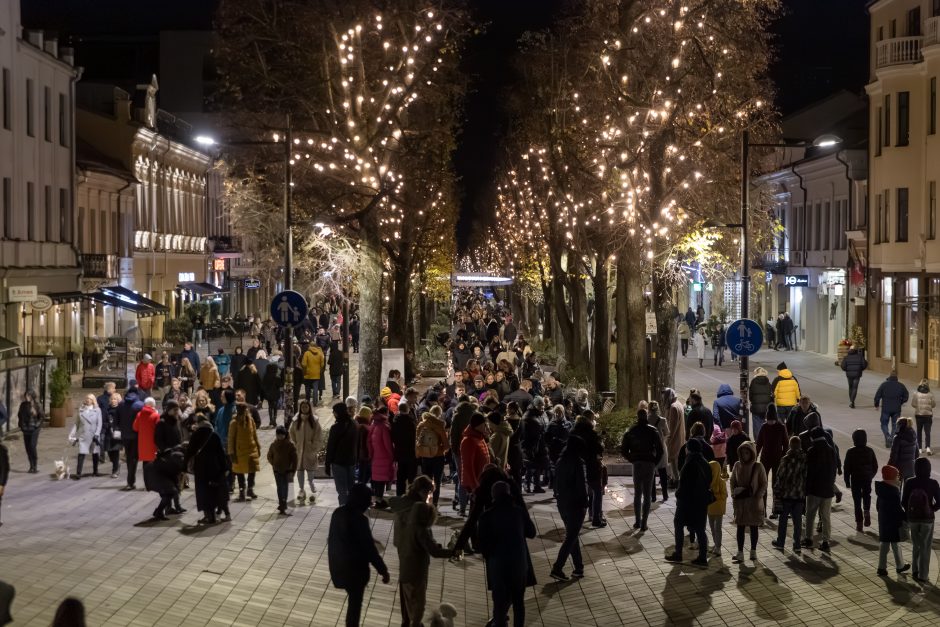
822, 47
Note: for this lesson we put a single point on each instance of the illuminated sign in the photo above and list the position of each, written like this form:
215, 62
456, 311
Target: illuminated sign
218, 265
797, 280
187, 276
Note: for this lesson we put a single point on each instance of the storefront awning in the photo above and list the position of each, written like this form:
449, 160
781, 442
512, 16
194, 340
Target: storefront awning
201, 288
61, 298
7, 348
117, 296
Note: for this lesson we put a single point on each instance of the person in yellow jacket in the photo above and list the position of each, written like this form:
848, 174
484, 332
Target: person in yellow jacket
312, 364
786, 390
716, 511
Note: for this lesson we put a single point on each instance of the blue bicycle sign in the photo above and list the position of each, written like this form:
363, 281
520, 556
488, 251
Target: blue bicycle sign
744, 337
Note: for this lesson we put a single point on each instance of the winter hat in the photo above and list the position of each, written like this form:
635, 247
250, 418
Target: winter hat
365, 413
147, 357
782, 365
367, 400
436, 411
499, 490
281, 430
477, 419
760, 372
811, 420
386, 392
890, 474
736, 424
132, 383
479, 377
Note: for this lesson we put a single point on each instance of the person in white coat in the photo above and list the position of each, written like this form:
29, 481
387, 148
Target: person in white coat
307, 435
700, 343
86, 433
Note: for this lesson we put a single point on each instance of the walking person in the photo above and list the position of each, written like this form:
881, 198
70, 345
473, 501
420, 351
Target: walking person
431, 446
641, 445
244, 451
760, 396
821, 467
86, 433
271, 386
342, 453
786, 390
146, 375
205, 455
854, 364
859, 469
307, 435
684, 333
789, 494
404, 438
210, 379
719, 507
748, 491
700, 343
4, 478
891, 517
890, 397
772, 444
571, 486
904, 449
923, 403
145, 424
111, 433
30, 418
416, 550
693, 497
921, 500
351, 549
127, 413
312, 363
162, 475
282, 455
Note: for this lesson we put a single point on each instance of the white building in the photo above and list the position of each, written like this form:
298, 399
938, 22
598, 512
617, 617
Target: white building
37, 181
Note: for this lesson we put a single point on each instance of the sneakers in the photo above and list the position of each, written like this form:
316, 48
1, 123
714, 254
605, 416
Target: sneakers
577, 574
700, 561
558, 575
753, 555
301, 496
738, 557
778, 545
807, 543
904, 569
928, 451
882, 572
114, 475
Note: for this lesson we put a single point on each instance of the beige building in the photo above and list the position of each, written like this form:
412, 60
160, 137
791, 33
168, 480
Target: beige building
904, 151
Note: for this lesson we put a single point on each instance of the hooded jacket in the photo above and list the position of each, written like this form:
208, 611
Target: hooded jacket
727, 407
720, 489
381, 450
922, 481
404, 435
904, 452
145, 424
431, 422
786, 389
474, 455
891, 395
790, 476
923, 402
571, 477
854, 364
890, 512
749, 473
127, 412
821, 465
499, 441
860, 465
312, 362
760, 394
342, 444
772, 443
796, 419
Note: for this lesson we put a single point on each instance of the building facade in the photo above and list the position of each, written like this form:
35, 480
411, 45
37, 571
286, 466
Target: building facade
37, 253
904, 151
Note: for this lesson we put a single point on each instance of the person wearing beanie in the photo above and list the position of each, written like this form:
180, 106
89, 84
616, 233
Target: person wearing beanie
789, 493
501, 432
282, 455
890, 520
342, 452
853, 364
921, 498
923, 403
390, 400
772, 443
692, 500
890, 397
859, 469
820, 478
474, 452
642, 446
760, 396
786, 391
736, 437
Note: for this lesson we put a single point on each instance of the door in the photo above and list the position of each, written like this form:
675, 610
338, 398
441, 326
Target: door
933, 349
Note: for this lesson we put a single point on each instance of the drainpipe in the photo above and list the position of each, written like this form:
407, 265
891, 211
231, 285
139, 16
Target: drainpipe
845, 288
802, 226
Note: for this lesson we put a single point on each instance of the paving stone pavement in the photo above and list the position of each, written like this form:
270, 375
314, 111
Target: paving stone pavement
90, 540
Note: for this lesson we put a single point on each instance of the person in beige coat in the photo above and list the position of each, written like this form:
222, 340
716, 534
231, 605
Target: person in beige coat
748, 488
307, 434
244, 450
675, 432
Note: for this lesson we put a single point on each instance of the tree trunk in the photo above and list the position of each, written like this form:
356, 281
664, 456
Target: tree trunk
565, 339
398, 307
601, 352
578, 351
370, 309
631, 334
667, 335
548, 320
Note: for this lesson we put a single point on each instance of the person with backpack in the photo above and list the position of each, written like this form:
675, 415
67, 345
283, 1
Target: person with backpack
890, 520
904, 449
859, 469
431, 446
921, 499
923, 403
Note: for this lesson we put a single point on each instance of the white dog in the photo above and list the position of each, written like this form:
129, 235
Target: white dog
61, 469
443, 616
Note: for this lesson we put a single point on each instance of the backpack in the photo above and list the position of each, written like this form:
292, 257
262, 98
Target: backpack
429, 442
918, 505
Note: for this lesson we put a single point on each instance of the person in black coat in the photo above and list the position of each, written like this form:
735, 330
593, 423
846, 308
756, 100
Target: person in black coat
692, 500
162, 477
30, 418
593, 452
111, 427
698, 412
642, 446
335, 364
697, 432
205, 455
891, 517
248, 379
237, 361
271, 384
126, 413
5, 473
502, 530
854, 364
404, 434
760, 395
571, 486
351, 549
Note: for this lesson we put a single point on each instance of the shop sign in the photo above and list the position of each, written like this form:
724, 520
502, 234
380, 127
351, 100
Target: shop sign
42, 303
218, 265
650, 323
185, 277
22, 294
252, 284
797, 280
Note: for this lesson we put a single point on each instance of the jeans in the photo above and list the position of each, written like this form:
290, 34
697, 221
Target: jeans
923, 429
130, 456
335, 382
31, 443
698, 531
364, 471
741, 529
757, 421
853, 388
921, 537
343, 478
719, 356
663, 484
241, 481
312, 390
300, 478
883, 555
714, 524
503, 599
354, 604
434, 468
405, 473
282, 480
685, 347
822, 505
792, 508
572, 519
861, 494
885, 417
596, 494
643, 474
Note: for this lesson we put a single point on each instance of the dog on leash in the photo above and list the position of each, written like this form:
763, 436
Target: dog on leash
61, 469
443, 616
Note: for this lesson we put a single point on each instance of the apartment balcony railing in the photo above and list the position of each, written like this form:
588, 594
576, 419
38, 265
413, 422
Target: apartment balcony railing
898, 51
100, 266
772, 261
932, 31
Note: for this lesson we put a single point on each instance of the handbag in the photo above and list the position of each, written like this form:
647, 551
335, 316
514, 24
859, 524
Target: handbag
746, 492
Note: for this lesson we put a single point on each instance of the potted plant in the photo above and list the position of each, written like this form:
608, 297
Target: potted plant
60, 399
842, 350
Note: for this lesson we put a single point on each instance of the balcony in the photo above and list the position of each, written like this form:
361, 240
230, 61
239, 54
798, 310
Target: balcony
932, 31
100, 266
898, 51
772, 261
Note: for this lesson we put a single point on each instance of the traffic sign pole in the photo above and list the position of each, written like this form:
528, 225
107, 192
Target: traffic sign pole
744, 338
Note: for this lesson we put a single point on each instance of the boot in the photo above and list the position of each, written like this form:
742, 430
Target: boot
858, 523
251, 494
241, 495
868, 519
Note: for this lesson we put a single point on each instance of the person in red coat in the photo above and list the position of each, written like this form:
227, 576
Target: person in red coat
145, 425
382, 454
146, 375
474, 452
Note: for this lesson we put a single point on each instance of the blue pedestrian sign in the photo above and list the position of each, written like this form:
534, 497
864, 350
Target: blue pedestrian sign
744, 337
289, 308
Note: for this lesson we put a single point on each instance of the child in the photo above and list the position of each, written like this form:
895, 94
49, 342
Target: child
890, 518
419, 546
719, 446
736, 439
716, 511
282, 455
860, 468
162, 476
4, 472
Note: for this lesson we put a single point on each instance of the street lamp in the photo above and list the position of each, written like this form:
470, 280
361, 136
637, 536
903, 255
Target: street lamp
204, 140
823, 141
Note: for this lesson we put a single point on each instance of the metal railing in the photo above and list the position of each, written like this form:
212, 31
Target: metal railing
898, 51
95, 266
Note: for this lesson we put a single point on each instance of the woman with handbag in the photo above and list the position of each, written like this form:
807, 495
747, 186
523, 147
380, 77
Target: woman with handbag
30, 418
111, 433
86, 433
208, 463
748, 487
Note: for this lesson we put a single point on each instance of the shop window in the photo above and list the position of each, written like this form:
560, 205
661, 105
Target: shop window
904, 118
908, 312
902, 214
887, 319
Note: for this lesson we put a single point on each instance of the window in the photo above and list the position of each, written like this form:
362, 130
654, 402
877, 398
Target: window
826, 218
881, 33
93, 232
893, 29
935, 8
909, 315
64, 129
887, 326
65, 216
7, 110
878, 209
887, 123
30, 114
50, 223
885, 218
7, 225
902, 214
47, 113
932, 111
879, 131
819, 227
904, 117
31, 212
913, 22
104, 248
932, 211
837, 229
81, 229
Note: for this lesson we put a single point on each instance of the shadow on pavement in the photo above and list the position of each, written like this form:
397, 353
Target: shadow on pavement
901, 593
203, 530
754, 586
812, 569
688, 591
